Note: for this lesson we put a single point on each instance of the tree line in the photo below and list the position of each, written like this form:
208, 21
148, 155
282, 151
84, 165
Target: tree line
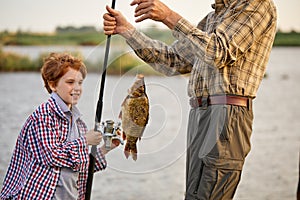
89, 35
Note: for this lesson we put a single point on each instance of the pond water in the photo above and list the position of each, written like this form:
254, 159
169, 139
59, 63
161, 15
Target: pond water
270, 171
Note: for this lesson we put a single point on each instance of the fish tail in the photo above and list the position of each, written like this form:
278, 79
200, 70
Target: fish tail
127, 151
130, 149
134, 153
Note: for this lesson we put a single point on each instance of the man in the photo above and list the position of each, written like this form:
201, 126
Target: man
226, 55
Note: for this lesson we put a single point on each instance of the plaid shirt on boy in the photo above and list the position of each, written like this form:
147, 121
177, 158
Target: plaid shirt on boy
40, 152
226, 53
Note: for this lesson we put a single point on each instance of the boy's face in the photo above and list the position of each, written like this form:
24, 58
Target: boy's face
69, 87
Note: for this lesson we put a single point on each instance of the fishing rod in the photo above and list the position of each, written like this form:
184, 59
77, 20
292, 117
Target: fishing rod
98, 118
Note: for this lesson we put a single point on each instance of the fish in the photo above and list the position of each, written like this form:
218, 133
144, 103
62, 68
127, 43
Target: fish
134, 116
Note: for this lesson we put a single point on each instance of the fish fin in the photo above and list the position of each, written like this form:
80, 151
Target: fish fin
127, 97
147, 120
127, 151
119, 132
123, 103
120, 115
133, 152
123, 135
142, 133
134, 156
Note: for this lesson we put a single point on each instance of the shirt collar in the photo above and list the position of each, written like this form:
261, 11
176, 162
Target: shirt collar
64, 108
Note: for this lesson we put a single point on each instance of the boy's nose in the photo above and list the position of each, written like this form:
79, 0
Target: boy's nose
77, 86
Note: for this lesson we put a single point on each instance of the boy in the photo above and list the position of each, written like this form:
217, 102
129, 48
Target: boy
51, 157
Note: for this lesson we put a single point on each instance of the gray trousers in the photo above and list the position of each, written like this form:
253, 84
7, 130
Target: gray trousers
218, 141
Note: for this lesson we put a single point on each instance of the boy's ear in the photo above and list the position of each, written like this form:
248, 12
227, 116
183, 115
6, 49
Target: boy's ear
52, 86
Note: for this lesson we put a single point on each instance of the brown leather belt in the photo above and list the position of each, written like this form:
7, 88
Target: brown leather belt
220, 100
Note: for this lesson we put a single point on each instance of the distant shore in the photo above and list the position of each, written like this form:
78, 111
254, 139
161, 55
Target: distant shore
91, 36
10, 61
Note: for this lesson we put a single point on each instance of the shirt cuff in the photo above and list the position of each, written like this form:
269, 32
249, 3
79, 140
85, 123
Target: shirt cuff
183, 27
101, 163
134, 41
81, 156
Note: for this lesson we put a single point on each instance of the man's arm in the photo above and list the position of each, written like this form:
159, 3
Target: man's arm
162, 57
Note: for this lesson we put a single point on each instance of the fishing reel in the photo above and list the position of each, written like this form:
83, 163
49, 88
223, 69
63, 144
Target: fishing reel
109, 132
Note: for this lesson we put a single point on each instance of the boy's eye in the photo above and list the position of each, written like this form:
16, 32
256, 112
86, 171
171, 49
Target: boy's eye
70, 80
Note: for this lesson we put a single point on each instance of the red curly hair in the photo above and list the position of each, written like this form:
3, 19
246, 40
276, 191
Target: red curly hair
57, 64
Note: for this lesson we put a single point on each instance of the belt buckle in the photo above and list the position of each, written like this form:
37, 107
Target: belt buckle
249, 104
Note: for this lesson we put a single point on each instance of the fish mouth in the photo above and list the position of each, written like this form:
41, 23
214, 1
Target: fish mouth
140, 76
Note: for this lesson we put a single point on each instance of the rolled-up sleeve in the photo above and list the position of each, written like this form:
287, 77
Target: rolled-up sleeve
166, 59
45, 144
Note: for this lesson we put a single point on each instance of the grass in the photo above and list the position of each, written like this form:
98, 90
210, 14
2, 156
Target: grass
15, 62
287, 39
23, 39
95, 37
127, 63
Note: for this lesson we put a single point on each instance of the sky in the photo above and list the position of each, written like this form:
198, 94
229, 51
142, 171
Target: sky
45, 16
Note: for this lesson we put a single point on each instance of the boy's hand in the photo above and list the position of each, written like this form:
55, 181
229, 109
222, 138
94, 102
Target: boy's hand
93, 137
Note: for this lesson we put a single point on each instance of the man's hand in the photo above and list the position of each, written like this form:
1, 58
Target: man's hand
155, 10
115, 23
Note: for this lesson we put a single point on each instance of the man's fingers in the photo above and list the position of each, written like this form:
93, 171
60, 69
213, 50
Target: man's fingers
109, 23
109, 32
142, 18
109, 9
135, 2
108, 17
142, 9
